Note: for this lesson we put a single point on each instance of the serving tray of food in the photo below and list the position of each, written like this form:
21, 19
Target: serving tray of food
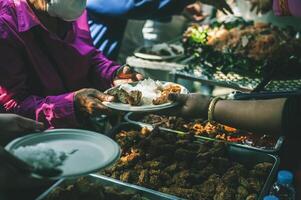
234, 81
240, 53
97, 187
182, 166
209, 131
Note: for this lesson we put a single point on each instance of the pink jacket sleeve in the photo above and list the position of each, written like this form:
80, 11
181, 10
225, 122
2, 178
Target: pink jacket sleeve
104, 69
17, 97
287, 7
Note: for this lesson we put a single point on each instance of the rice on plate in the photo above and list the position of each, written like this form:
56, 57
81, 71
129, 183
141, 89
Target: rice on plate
149, 88
41, 156
145, 93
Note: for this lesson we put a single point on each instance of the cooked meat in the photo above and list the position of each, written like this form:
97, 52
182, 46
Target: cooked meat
137, 97
181, 166
133, 98
163, 98
85, 189
212, 130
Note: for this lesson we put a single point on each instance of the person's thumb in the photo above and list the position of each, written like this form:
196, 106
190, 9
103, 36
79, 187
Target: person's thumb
104, 97
30, 125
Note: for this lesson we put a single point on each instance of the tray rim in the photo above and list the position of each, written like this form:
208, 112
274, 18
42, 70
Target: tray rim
275, 150
115, 182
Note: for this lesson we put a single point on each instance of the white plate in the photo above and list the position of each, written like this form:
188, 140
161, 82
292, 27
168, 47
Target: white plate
94, 151
143, 108
146, 56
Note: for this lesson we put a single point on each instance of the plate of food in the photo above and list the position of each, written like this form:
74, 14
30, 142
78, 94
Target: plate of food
160, 52
71, 151
144, 96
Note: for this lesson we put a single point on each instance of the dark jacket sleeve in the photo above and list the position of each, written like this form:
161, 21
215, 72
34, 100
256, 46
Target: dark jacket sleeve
137, 9
291, 117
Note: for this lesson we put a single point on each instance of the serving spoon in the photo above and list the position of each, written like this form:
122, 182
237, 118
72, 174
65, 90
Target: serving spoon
25, 167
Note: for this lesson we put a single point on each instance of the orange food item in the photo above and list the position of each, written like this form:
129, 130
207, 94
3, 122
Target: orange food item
130, 156
230, 129
172, 88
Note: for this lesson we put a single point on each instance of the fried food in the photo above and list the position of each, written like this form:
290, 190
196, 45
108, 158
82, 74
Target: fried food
180, 166
213, 130
83, 188
163, 98
133, 97
146, 92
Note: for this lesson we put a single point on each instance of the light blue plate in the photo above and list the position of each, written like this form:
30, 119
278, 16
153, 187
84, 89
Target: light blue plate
91, 151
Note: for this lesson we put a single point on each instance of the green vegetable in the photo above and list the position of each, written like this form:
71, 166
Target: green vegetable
199, 35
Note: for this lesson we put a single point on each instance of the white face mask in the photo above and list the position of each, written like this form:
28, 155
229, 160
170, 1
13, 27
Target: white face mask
68, 10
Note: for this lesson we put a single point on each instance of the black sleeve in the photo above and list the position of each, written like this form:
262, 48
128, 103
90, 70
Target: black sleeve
291, 117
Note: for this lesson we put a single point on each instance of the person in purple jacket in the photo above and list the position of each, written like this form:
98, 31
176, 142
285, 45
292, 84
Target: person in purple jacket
280, 7
287, 7
49, 69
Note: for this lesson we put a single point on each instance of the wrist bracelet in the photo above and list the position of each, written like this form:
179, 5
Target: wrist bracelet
211, 108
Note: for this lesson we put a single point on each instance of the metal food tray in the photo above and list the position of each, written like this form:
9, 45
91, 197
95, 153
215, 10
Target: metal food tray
106, 181
136, 117
236, 81
247, 157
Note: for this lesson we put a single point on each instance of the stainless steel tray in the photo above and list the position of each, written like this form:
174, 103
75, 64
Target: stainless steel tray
106, 181
245, 156
236, 81
136, 117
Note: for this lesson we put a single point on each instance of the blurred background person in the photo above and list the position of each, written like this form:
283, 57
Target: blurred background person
269, 11
108, 19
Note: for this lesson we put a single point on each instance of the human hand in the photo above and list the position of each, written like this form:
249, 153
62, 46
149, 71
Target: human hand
221, 5
127, 74
88, 103
13, 126
40, 5
194, 12
192, 105
261, 6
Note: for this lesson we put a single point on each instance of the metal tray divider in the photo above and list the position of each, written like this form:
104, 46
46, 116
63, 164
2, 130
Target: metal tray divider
107, 181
